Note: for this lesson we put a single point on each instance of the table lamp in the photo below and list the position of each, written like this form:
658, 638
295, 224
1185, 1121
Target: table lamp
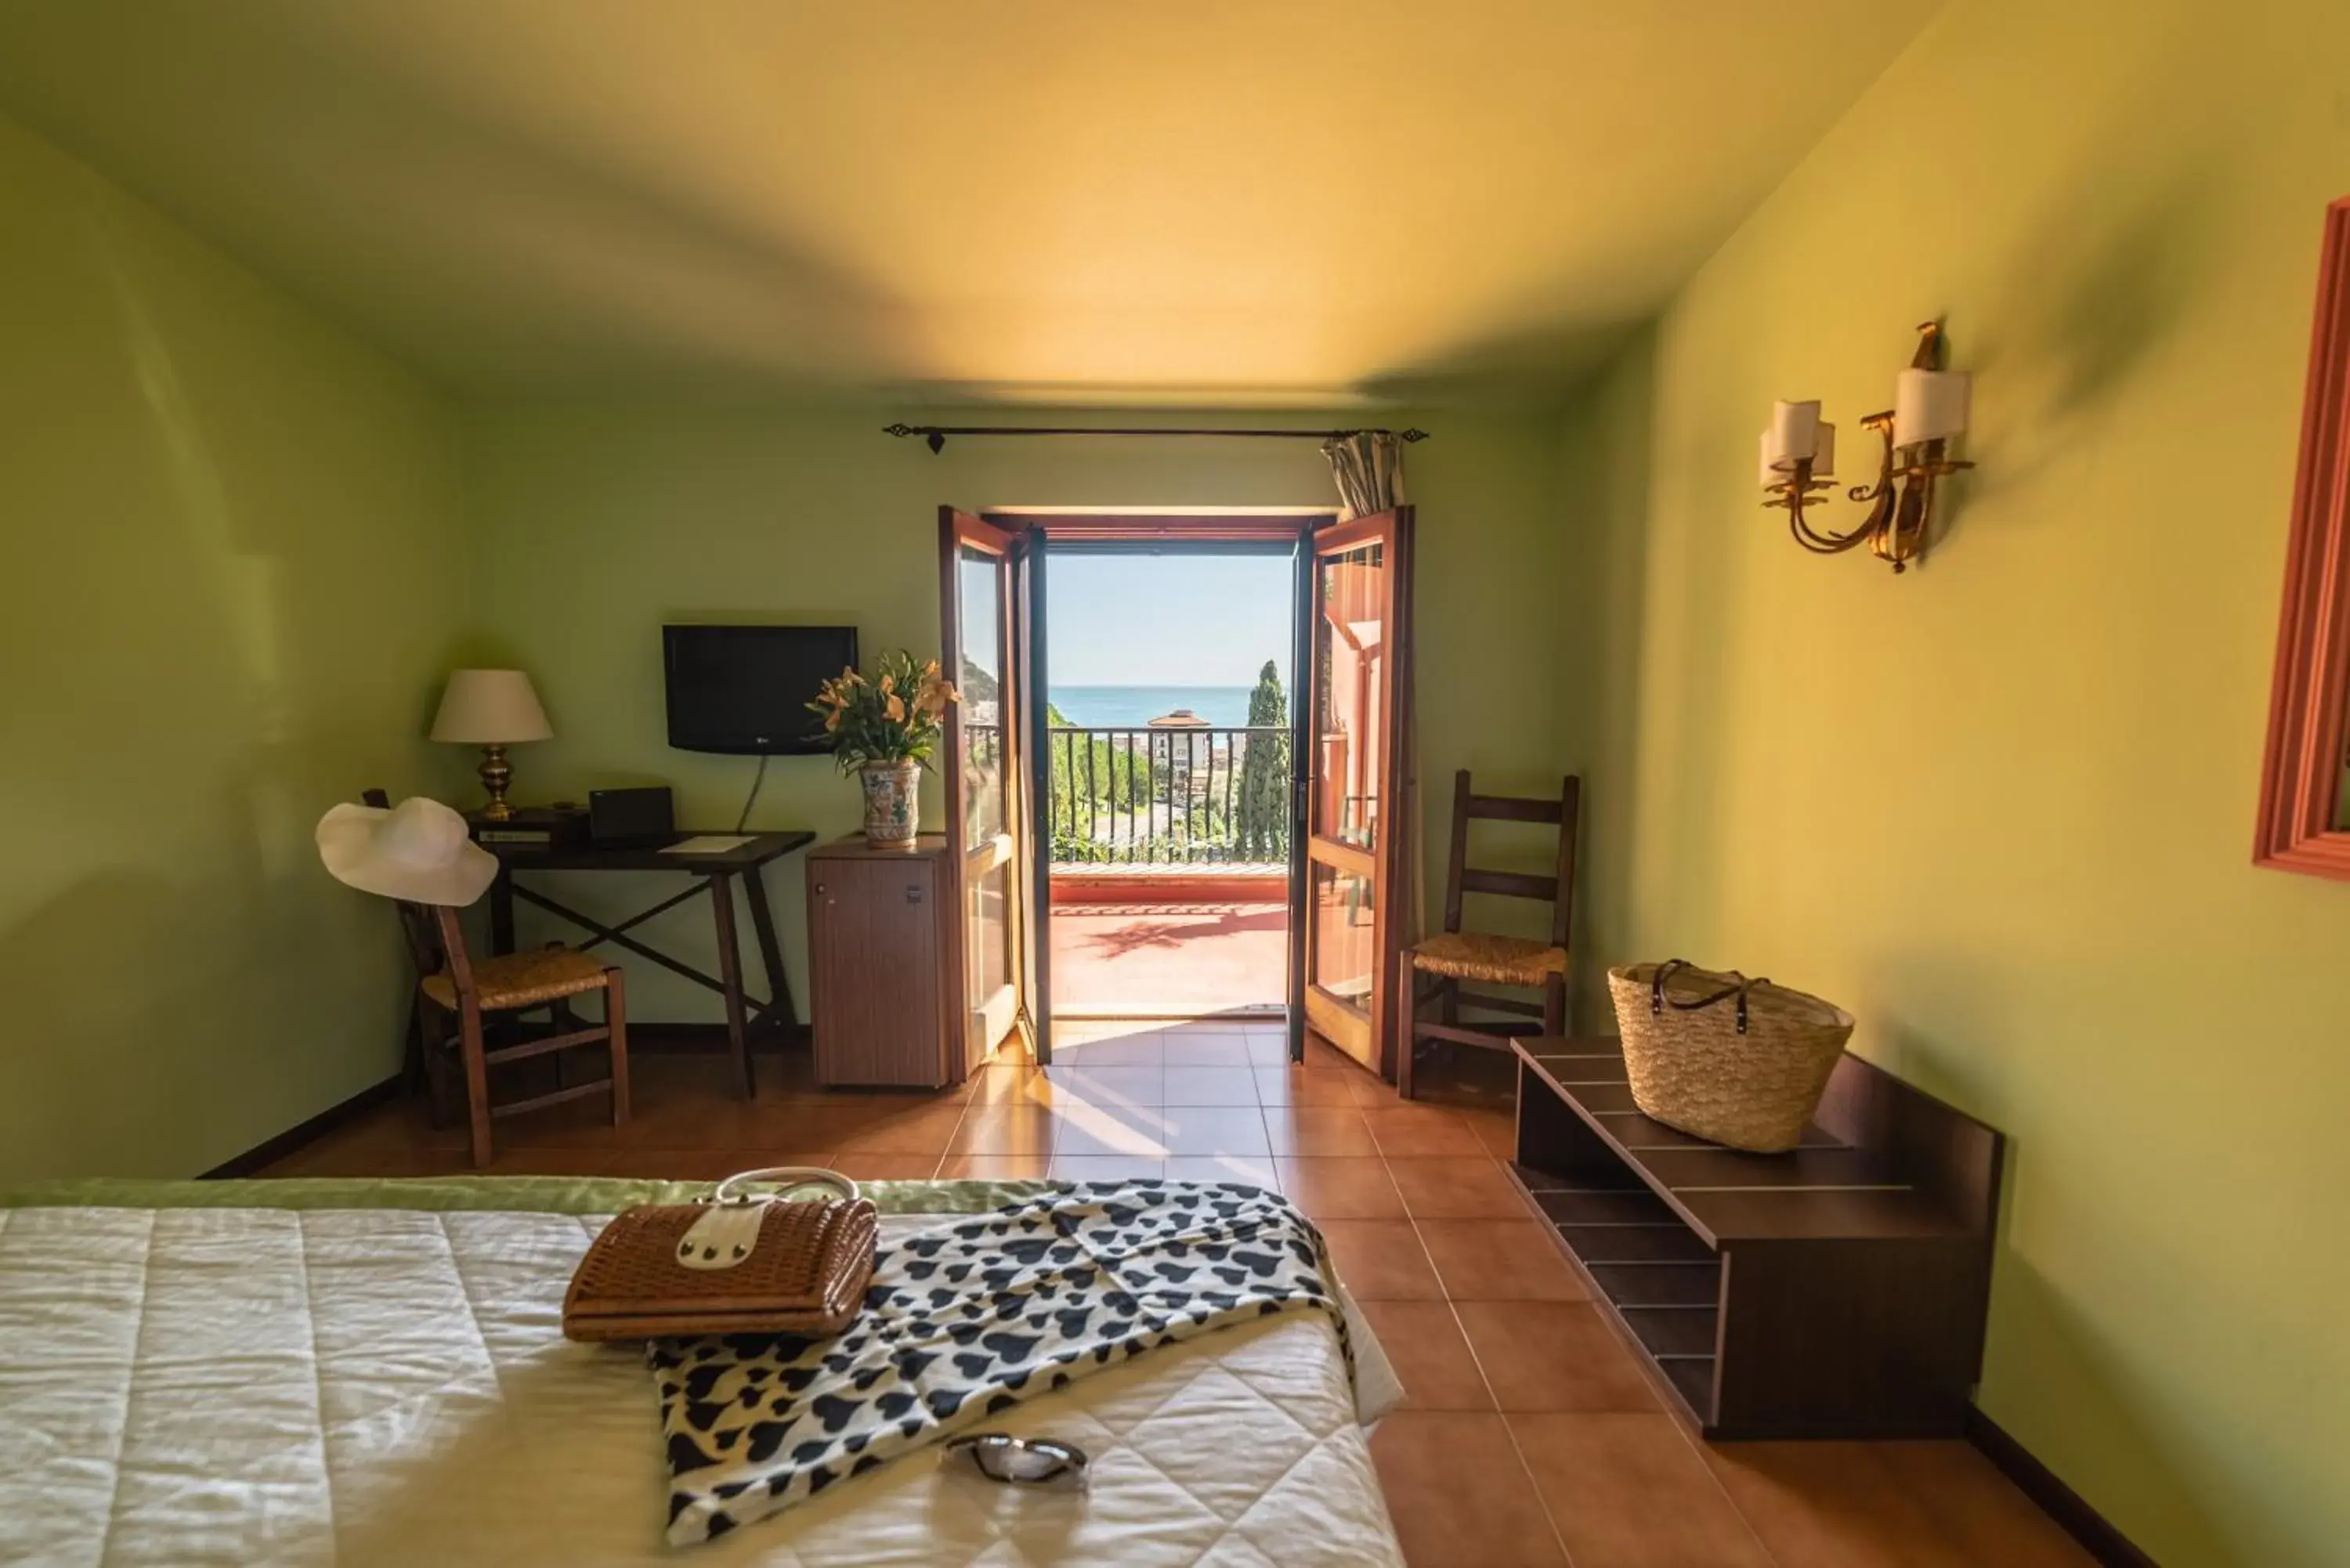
492, 709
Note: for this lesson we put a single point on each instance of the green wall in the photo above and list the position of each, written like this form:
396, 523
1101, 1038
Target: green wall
2001, 807
595, 522
231, 574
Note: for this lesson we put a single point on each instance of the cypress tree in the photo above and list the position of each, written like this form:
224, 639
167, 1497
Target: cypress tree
1264, 773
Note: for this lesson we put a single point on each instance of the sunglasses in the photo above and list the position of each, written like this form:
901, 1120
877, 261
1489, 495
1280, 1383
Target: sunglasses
1020, 1462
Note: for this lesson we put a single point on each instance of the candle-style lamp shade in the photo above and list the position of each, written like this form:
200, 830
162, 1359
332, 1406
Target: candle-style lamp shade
492, 709
1930, 405
1797, 434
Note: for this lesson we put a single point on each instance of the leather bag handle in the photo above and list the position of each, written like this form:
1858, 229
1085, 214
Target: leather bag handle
788, 1177
1658, 1001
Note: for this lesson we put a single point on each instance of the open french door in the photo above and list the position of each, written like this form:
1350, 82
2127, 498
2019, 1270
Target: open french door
1353, 773
987, 840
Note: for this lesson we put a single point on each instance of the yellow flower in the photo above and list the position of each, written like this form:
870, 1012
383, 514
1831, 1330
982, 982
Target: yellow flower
832, 719
896, 708
888, 684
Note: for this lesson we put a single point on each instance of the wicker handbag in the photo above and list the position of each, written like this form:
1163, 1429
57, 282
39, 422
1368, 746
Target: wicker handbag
738, 1262
1735, 1061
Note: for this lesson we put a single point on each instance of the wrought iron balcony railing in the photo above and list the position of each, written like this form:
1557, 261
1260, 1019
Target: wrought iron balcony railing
1170, 796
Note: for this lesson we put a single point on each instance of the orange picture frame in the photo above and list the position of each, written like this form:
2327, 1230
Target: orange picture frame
2309, 703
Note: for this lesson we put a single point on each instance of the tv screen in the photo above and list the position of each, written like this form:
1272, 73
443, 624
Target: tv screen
745, 688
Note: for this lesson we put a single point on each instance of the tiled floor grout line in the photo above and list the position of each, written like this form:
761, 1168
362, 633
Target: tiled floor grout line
941, 1163
1696, 1446
1524, 1468
1690, 1442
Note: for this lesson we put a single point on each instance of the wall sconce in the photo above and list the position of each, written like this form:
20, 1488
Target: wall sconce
1929, 412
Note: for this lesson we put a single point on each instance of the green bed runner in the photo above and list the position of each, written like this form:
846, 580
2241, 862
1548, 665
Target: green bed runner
500, 1194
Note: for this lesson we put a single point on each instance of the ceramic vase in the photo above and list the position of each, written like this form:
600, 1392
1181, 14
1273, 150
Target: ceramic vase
892, 791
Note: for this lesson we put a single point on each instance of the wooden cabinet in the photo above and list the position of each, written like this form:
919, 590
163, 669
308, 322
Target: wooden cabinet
881, 937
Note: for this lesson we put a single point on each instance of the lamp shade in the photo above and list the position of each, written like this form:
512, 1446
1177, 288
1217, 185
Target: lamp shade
1928, 405
489, 708
1795, 432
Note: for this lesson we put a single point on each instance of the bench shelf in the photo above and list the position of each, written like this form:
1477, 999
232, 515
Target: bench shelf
1836, 1291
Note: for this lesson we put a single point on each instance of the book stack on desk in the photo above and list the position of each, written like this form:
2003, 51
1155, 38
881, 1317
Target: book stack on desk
558, 826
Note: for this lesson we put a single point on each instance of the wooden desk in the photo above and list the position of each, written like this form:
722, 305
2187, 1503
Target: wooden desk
1836, 1291
715, 874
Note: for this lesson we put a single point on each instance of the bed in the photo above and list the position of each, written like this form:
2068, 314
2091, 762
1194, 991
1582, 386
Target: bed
360, 1373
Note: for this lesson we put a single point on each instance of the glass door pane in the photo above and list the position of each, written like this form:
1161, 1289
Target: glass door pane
979, 675
1345, 952
1350, 637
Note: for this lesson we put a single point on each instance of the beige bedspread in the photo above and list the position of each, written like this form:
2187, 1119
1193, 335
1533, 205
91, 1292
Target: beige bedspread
245, 1385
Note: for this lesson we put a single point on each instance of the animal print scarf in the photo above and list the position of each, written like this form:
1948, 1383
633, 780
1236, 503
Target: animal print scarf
967, 1321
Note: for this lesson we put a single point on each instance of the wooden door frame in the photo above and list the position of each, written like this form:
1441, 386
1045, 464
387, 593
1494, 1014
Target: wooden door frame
958, 529
1297, 526
1036, 756
1388, 863
1140, 528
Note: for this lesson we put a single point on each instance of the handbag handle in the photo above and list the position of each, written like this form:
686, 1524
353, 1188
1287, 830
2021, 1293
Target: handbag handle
1658, 1001
790, 1178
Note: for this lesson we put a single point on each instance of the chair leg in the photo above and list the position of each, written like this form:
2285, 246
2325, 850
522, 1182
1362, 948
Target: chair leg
615, 1023
1407, 1023
1555, 1007
429, 1043
477, 1082
414, 1074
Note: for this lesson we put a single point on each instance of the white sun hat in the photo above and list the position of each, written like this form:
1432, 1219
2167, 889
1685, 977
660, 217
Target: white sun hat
419, 851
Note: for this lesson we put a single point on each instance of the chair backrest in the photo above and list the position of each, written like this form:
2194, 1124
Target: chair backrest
436, 943
1556, 889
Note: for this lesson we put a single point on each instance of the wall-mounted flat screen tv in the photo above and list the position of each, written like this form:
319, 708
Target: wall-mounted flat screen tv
744, 690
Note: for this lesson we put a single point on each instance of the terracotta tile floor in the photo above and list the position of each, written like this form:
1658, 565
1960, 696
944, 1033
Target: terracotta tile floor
1530, 1434
1151, 960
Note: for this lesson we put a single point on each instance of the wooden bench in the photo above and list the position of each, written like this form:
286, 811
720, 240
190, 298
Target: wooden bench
1836, 1291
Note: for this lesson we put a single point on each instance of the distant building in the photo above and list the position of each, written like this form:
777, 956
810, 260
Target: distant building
1172, 748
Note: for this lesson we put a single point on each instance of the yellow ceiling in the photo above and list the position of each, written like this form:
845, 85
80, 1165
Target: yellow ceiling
1216, 201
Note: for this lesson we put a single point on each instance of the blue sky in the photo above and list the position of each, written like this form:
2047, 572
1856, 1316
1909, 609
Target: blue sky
1167, 620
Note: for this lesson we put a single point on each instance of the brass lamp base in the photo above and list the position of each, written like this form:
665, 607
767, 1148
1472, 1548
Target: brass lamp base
496, 775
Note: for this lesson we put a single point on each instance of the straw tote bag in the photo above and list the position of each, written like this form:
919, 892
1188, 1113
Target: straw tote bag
738, 1262
1732, 1060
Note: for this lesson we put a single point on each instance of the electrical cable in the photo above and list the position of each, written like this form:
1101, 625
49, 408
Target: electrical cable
758, 779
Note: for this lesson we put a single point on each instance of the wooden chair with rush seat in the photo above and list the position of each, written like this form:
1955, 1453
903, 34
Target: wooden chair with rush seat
1434, 968
457, 1000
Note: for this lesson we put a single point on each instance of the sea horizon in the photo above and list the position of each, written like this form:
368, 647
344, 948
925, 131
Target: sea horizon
1123, 706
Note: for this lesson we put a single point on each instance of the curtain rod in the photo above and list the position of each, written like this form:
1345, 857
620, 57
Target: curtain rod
935, 436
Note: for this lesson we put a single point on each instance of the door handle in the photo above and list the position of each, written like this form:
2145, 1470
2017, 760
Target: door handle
913, 893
